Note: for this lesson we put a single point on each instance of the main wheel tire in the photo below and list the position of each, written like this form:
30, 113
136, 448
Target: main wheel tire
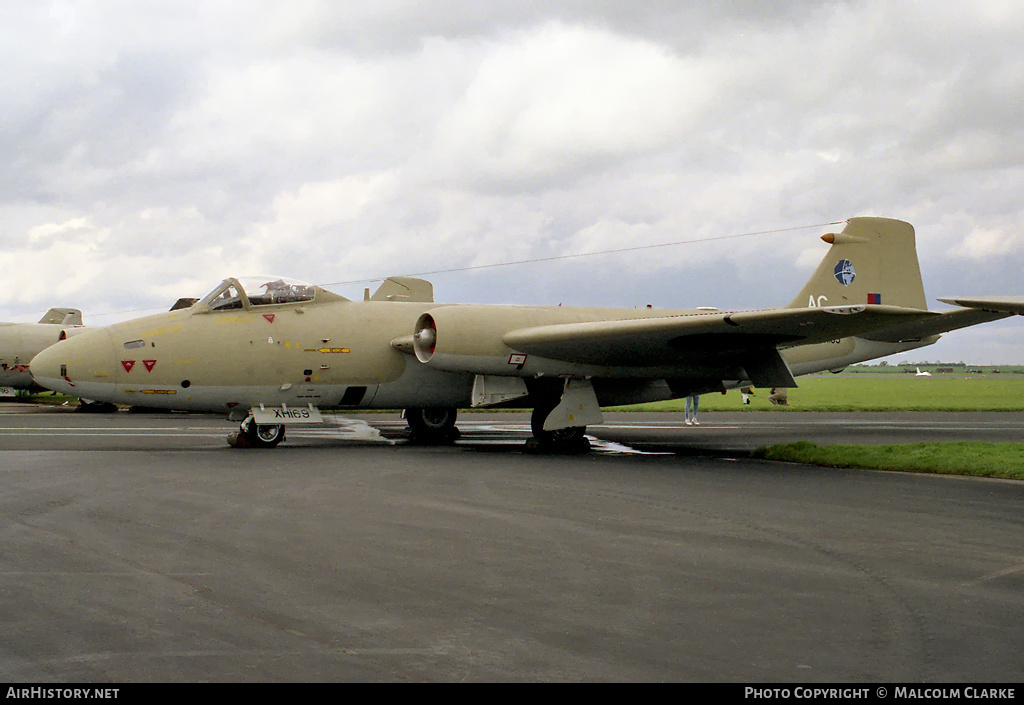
433, 424
96, 407
261, 435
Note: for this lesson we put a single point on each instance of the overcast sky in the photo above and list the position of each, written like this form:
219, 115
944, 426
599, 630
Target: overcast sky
150, 149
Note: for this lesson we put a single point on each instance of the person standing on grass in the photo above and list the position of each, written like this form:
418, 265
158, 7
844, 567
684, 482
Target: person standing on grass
690, 410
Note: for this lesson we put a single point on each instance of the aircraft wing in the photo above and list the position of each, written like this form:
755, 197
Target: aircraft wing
705, 337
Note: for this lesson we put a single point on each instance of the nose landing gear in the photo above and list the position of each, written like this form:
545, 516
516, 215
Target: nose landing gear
253, 435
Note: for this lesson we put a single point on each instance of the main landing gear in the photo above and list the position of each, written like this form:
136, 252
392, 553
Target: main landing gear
86, 406
572, 439
432, 425
562, 409
253, 435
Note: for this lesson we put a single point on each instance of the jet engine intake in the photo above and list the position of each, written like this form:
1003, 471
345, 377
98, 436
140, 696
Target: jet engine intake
424, 339
469, 339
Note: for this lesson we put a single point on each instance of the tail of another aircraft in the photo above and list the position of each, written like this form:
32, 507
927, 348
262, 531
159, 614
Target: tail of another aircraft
872, 261
63, 317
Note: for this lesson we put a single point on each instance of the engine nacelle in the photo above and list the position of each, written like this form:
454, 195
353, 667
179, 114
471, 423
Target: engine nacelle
469, 339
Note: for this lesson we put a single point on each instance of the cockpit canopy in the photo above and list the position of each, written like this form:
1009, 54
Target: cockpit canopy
245, 292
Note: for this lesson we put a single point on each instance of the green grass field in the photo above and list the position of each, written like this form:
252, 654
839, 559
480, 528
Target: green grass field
1003, 460
889, 392
869, 393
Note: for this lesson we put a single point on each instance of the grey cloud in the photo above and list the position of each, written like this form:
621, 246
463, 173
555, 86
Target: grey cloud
200, 139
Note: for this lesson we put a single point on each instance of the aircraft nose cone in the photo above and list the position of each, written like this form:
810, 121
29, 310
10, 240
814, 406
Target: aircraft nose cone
44, 366
75, 366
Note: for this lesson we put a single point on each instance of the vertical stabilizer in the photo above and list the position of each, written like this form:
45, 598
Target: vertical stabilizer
63, 317
872, 261
404, 289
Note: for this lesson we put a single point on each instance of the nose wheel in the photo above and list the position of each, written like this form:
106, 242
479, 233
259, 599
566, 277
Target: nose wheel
253, 435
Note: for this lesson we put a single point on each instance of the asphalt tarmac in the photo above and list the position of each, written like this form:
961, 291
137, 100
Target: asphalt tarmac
141, 548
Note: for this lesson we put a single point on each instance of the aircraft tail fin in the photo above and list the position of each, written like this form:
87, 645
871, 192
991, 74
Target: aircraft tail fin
403, 289
872, 261
63, 317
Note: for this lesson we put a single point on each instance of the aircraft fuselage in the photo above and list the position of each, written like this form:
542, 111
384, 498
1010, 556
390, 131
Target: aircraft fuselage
19, 343
346, 354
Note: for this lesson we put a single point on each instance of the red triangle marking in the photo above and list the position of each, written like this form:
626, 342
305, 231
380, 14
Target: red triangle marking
128, 365
269, 317
150, 364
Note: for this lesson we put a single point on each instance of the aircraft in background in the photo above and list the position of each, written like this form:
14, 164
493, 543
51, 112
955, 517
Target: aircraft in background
271, 351
20, 342
922, 374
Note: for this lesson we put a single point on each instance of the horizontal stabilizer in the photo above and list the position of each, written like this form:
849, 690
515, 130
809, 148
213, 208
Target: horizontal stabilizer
938, 323
1004, 304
